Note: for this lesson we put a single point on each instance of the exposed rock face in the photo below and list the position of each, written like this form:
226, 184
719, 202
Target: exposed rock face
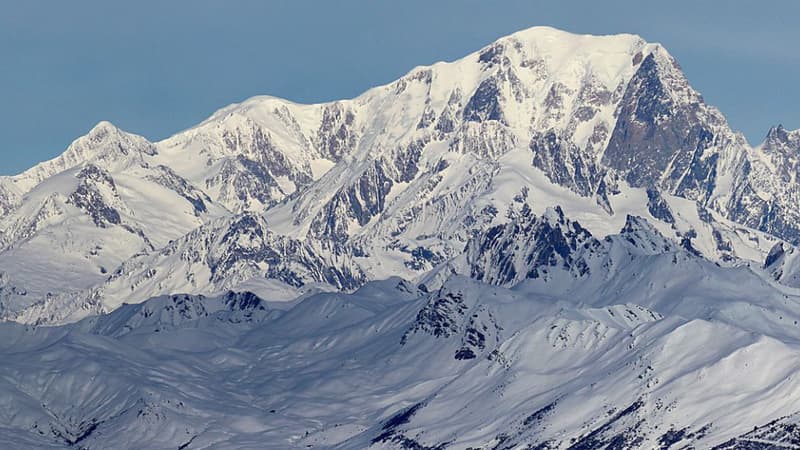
89, 196
530, 247
245, 185
9, 199
255, 174
667, 137
642, 236
337, 134
656, 137
658, 207
485, 103
565, 164
358, 202
441, 317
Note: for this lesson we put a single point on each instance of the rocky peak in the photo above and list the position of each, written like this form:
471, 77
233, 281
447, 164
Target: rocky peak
782, 148
643, 236
782, 145
778, 136
663, 130
96, 194
529, 246
107, 142
105, 146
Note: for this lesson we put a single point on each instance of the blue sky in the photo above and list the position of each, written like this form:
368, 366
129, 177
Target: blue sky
157, 67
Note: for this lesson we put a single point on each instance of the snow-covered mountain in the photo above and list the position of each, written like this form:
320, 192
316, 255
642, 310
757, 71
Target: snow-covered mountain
704, 357
552, 242
399, 179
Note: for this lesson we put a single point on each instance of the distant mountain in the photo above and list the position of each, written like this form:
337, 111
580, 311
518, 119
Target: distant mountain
399, 179
551, 243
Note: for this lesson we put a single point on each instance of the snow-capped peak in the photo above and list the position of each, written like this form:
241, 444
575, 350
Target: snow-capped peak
779, 138
103, 127
105, 145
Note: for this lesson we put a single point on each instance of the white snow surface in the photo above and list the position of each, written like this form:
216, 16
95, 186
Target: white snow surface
699, 357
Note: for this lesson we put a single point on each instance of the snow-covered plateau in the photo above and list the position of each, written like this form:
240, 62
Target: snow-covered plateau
551, 243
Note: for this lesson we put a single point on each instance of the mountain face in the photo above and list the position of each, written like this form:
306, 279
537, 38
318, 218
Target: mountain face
530, 247
400, 179
781, 148
553, 242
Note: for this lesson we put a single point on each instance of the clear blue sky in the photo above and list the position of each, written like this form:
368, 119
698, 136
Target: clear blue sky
157, 67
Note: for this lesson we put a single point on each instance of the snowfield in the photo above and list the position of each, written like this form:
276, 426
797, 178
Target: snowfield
468, 365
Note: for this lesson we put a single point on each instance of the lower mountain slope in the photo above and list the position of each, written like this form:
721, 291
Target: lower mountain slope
691, 354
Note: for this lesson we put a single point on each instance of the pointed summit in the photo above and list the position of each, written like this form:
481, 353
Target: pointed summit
105, 145
103, 125
103, 130
778, 135
105, 134
642, 235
